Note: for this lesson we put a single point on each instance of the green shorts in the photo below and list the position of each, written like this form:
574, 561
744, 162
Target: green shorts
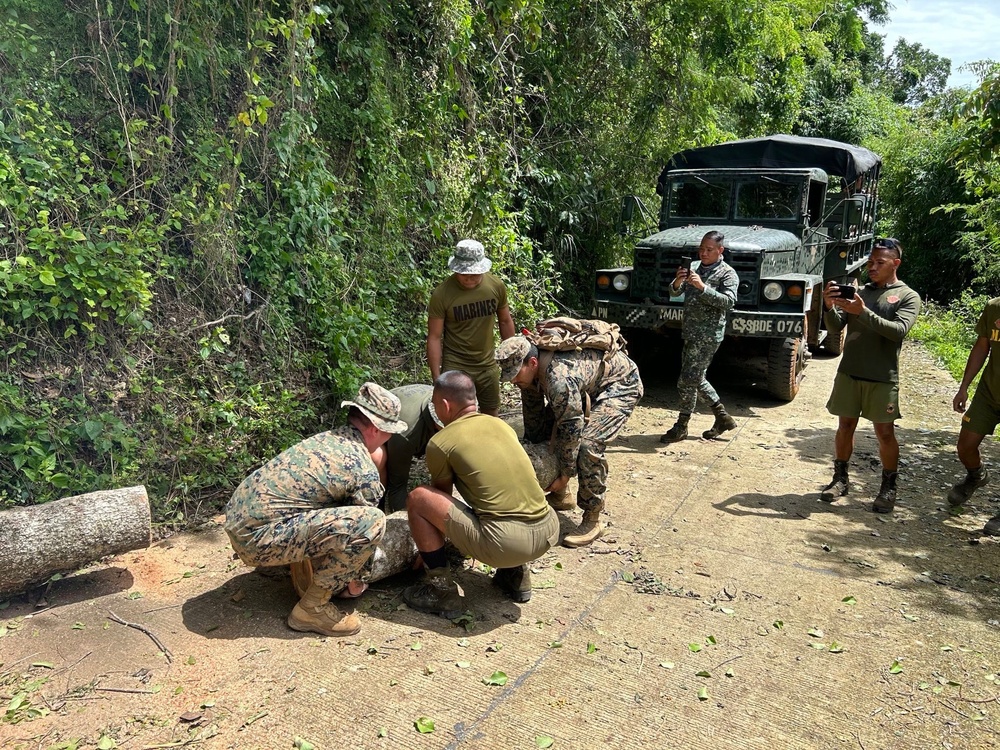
853, 398
487, 380
982, 416
498, 542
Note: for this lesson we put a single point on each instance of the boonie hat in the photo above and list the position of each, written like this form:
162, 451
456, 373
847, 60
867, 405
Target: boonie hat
510, 356
382, 407
469, 257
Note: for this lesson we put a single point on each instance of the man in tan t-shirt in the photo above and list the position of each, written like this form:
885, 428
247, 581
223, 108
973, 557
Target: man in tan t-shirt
460, 322
507, 522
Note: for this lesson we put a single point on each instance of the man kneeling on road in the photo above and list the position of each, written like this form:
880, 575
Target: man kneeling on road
316, 501
507, 522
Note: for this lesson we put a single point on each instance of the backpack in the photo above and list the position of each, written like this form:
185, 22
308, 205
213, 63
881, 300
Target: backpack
570, 335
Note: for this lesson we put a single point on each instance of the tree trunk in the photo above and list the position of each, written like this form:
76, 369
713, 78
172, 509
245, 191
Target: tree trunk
62, 536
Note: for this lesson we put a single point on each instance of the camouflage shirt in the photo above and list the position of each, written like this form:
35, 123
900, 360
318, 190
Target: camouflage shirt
569, 379
705, 311
329, 469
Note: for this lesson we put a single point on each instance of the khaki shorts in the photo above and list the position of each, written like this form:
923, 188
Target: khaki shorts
982, 416
487, 380
498, 542
853, 398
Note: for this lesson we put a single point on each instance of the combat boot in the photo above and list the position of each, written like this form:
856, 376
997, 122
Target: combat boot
679, 431
961, 492
514, 582
839, 485
723, 422
590, 529
437, 594
560, 500
315, 614
992, 527
885, 500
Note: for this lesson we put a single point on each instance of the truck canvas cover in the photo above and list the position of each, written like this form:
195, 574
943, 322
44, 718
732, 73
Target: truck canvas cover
776, 152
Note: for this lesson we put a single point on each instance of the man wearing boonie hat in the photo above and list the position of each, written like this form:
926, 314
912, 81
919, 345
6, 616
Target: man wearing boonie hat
553, 396
460, 319
317, 501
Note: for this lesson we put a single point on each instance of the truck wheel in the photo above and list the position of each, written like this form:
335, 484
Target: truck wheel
834, 343
786, 364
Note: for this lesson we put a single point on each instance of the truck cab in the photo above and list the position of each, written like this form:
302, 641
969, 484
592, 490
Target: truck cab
795, 212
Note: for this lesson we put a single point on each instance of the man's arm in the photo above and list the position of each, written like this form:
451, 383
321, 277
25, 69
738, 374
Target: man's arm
894, 328
977, 358
505, 322
537, 428
567, 408
725, 296
442, 477
435, 330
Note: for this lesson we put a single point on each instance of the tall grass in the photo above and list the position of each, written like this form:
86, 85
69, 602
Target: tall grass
949, 332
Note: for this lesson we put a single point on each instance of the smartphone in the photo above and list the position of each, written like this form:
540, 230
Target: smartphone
847, 291
686, 263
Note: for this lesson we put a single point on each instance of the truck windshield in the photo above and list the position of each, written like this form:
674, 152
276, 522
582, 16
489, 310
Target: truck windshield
768, 199
699, 199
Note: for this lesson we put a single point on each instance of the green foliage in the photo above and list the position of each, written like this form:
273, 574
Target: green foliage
949, 332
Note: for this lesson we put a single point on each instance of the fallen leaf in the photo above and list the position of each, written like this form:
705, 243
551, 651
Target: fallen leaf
591, 648
896, 668
778, 624
463, 664
463, 643
543, 741
849, 600
302, 744
430, 669
424, 725
106, 743
43, 664
190, 716
555, 644
695, 647
836, 648
815, 632
730, 672
78, 626
703, 673
667, 664
497, 678
703, 694
383, 732
415, 646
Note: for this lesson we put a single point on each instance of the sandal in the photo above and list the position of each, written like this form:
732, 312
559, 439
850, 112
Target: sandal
349, 592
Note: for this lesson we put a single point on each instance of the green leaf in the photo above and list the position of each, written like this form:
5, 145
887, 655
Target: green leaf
778, 624
710, 640
497, 678
555, 644
628, 577
383, 732
730, 672
430, 669
78, 626
815, 632
558, 566
703, 673
43, 664
947, 648
106, 743
45, 276
300, 743
694, 647
424, 725
591, 648
910, 617
727, 610
849, 600
667, 664
463, 664
190, 660
463, 643
543, 741
818, 646
836, 648
416, 646
703, 694
494, 647
896, 668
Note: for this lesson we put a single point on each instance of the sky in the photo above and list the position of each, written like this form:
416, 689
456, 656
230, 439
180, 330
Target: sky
961, 30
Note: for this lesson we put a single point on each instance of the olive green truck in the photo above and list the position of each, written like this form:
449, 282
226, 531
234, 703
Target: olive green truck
796, 213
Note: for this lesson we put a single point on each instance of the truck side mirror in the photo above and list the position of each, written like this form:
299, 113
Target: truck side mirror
627, 212
854, 209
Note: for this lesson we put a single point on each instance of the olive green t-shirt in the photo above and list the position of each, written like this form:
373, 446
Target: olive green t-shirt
470, 317
482, 457
989, 327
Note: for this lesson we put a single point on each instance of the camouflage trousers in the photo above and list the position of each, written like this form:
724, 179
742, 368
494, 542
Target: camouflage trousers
340, 542
607, 416
695, 359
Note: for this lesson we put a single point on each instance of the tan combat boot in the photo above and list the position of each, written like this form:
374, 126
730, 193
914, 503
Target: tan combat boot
315, 614
560, 500
590, 529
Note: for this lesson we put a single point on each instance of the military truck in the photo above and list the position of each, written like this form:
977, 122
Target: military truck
795, 212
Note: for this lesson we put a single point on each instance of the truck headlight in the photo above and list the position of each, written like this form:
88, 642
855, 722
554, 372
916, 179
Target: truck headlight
603, 281
773, 291
620, 282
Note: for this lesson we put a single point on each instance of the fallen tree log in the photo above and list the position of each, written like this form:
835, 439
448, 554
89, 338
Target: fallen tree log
65, 535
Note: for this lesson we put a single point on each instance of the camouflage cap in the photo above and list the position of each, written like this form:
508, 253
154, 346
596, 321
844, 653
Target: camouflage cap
510, 356
469, 257
382, 407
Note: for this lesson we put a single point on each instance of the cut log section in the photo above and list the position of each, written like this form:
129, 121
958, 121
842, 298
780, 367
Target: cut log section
65, 535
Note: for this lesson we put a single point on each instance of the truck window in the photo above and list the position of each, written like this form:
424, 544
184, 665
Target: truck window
701, 199
768, 200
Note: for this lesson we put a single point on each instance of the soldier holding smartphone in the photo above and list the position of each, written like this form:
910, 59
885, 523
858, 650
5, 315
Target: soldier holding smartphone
878, 317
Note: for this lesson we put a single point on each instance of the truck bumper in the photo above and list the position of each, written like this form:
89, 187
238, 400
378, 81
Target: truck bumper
738, 323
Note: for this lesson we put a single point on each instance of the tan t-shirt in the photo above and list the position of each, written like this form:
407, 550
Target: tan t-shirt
470, 317
481, 456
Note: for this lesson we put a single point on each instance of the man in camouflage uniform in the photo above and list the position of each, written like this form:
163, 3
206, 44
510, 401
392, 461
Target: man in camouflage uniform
316, 501
571, 381
709, 293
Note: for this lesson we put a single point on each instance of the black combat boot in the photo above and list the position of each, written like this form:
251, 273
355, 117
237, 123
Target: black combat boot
839, 485
885, 500
961, 492
723, 422
679, 431
514, 582
992, 527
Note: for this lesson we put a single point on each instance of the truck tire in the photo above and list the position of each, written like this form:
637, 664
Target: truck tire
786, 364
834, 343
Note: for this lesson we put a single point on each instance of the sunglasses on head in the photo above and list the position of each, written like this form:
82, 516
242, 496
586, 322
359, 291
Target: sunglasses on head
889, 243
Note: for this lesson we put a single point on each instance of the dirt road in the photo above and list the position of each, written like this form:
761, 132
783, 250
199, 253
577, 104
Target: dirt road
727, 607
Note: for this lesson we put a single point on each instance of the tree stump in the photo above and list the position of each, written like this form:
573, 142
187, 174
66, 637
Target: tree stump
62, 536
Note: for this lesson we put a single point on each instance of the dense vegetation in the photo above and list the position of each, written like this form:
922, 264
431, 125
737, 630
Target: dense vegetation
217, 218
